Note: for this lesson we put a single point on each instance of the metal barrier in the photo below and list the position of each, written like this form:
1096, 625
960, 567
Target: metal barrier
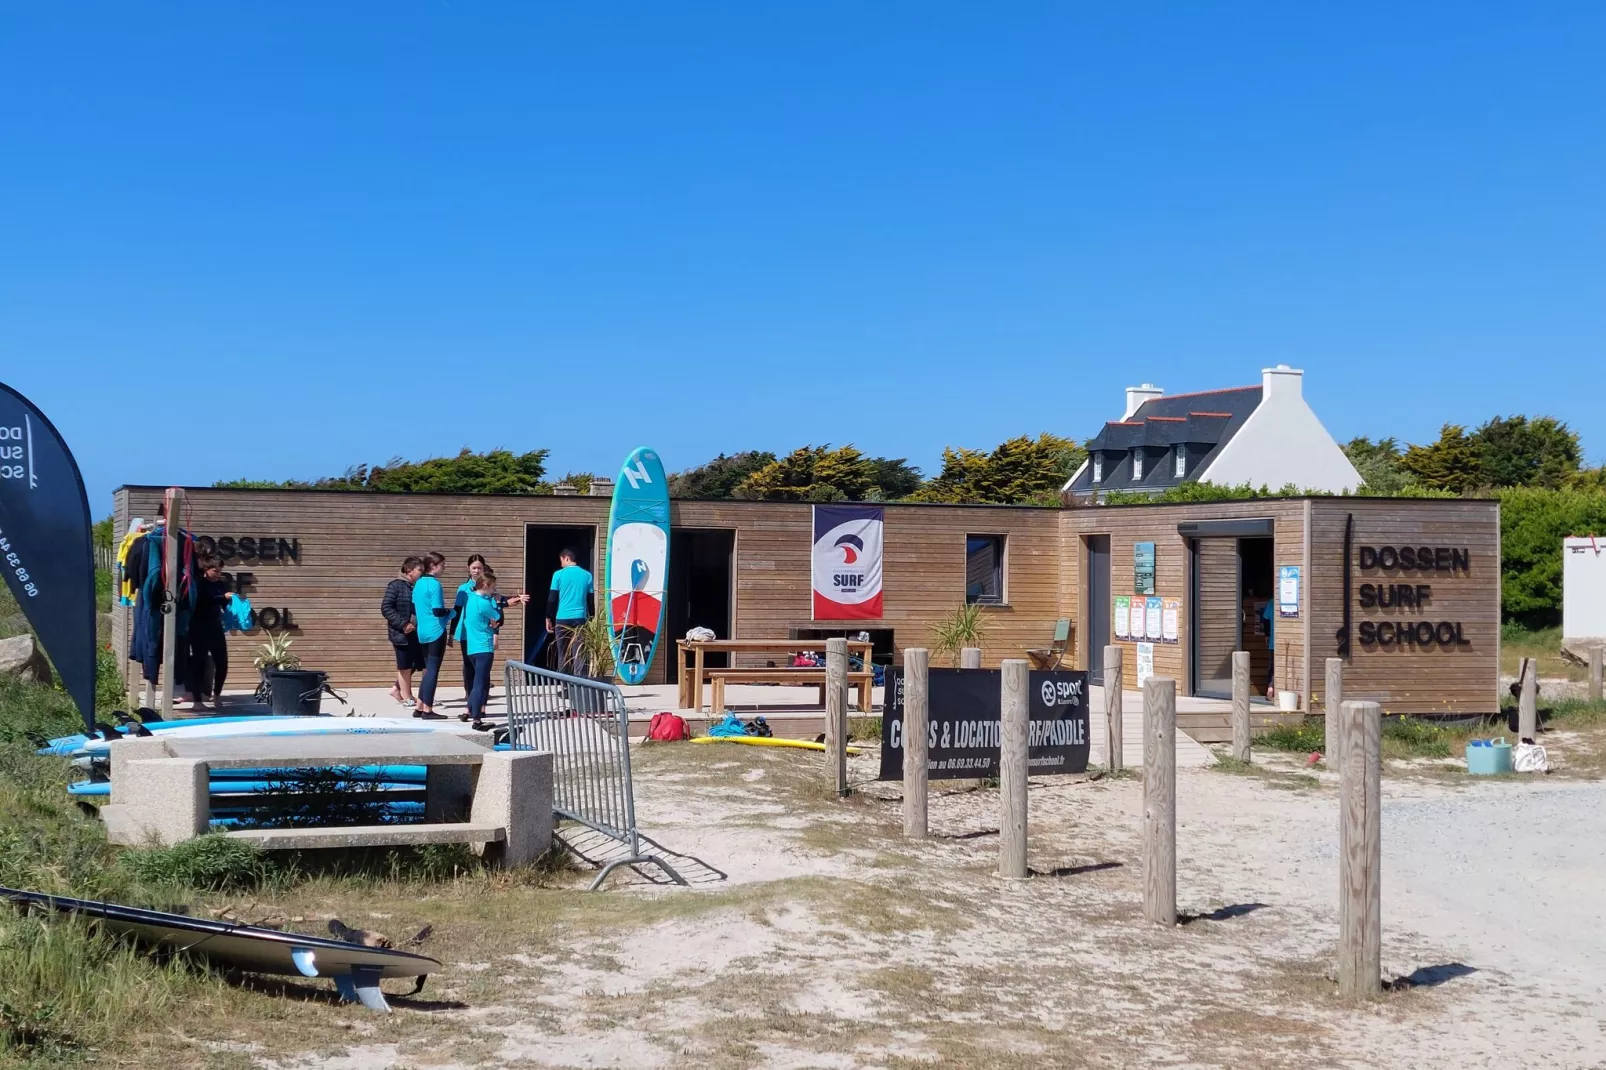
585, 726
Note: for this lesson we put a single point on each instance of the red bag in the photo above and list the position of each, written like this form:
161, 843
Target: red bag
667, 728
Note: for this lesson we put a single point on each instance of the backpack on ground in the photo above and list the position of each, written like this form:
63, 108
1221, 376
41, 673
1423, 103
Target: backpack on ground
667, 727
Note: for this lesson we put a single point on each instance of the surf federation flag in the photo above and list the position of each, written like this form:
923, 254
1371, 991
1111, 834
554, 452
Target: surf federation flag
846, 568
46, 543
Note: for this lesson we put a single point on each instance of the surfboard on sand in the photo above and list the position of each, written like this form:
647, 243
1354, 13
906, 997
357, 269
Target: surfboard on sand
638, 562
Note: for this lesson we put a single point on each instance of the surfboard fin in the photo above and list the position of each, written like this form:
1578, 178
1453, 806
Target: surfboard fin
362, 986
305, 960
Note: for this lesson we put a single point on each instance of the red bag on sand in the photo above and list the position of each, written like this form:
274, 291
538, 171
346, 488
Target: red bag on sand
667, 728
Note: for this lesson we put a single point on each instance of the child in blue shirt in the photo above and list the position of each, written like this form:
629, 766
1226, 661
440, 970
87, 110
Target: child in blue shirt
482, 616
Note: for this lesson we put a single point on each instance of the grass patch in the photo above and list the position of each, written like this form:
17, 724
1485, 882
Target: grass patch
1543, 644
1276, 778
864, 729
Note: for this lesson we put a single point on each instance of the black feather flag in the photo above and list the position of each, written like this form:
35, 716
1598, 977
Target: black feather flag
46, 549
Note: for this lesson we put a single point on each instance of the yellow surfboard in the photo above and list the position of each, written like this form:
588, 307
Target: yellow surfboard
768, 741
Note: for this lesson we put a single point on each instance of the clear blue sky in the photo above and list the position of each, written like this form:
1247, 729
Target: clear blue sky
345, 231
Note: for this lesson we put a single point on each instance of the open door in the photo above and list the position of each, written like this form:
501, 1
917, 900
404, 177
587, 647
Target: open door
701, 586
542, 544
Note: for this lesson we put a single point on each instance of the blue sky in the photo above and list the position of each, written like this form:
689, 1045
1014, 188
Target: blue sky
343, 232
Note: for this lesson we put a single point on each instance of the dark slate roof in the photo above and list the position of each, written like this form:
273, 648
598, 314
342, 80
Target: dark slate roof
1203, 422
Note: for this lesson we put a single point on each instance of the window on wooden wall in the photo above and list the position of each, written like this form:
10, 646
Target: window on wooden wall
984, 570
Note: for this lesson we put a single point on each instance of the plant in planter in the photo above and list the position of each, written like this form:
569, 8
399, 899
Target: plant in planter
274, 654
596, 648
965, 626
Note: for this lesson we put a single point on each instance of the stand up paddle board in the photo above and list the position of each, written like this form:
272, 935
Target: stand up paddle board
638, 562
300, 726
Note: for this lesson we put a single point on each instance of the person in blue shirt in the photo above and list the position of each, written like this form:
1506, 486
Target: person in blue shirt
477, 566
1268, 616
431, 613
568, 605
482, 616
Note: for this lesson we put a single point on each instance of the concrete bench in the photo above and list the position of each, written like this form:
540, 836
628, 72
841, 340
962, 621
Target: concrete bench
500, 799
863, 681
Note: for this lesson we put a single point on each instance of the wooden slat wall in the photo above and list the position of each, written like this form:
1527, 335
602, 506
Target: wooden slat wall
1461, 680
1126, 525
351, 545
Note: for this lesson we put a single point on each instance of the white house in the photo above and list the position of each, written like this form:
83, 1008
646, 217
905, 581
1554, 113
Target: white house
1262, 435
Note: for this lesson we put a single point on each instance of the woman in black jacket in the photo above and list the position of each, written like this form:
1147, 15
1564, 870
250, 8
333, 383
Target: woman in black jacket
402, 630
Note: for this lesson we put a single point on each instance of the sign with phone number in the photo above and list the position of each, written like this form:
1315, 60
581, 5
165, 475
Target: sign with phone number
18, 569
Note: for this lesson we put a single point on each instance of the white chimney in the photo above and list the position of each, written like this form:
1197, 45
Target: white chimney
1280, 382
1137, 395
601, 487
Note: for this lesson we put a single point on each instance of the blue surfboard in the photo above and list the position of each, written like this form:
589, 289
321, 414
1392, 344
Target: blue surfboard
638, 562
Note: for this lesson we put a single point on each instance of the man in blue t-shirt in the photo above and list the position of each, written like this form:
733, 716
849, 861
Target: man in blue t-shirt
568, 605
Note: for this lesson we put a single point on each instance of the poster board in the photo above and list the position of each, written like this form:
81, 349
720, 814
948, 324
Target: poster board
964, 725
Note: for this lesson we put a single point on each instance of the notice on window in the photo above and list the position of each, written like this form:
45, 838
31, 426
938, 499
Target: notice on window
1288, 591
1152, 610
1143, 567
1122, 608
1145, 662
1170, 619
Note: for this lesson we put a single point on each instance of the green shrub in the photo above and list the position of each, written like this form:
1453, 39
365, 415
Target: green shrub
214, 863
1299, 738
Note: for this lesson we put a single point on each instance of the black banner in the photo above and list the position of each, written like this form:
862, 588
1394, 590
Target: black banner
45, 543
963, 733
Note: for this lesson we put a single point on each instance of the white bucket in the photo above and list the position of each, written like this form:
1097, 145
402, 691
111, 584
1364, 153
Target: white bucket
1288, 701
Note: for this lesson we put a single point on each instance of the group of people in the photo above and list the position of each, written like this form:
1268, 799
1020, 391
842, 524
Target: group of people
420, 625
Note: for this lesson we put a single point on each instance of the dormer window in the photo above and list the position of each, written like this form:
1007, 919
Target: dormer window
1181, 459
1098, 468
1137, 464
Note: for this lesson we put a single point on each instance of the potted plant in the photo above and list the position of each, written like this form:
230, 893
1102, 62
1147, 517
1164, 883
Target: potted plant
274, 654
596, 648
965, 626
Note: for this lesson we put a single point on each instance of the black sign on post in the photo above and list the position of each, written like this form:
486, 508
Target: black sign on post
45, 543
963, 735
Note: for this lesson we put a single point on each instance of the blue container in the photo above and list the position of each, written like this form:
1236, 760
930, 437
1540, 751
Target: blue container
1488, 757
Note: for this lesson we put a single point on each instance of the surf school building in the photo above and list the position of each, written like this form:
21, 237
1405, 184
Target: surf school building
1406, 591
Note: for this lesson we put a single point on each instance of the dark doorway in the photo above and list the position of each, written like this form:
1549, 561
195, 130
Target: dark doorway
542, 544
1098, 604
699, 594
1257, 579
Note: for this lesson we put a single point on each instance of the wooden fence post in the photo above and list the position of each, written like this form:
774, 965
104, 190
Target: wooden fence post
836, 713
1160, 800
1528, 702
1332, 700
970, 657
1360, 851
916, 716
1597, 655
174, 500
1012, 769
1114, 733
1240, 705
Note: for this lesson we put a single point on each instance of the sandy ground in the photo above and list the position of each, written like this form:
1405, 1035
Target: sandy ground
835, 943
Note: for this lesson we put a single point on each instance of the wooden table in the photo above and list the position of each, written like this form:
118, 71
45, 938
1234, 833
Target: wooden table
691, 676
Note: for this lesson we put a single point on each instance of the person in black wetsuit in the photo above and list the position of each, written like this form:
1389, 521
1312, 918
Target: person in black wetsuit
206, 636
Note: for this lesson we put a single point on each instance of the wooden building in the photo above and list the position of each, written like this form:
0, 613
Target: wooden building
1415, 582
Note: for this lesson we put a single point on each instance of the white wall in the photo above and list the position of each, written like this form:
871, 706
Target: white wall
1583, 587
1283, 442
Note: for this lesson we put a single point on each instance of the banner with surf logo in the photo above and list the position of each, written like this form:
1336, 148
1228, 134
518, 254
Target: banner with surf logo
846, 569
45, 543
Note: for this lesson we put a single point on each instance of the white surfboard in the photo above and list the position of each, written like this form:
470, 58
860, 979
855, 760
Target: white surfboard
301, 726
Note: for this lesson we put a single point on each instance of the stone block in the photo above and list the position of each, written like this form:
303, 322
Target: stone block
160, 800
515, 792
448, 792
131, 749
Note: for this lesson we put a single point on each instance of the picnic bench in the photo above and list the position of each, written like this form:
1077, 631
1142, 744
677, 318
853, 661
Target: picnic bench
472, 794
693, 675
718, 678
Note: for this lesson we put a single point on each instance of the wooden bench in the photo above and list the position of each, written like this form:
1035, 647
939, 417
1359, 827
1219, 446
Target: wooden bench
863, 680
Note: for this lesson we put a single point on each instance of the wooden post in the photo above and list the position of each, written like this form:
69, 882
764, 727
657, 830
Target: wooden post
1114, 733
1012, 770
1528, 702
175, 508
836, 712
1240, 705
970, 657
916, 716
1596, 656
1160, 800
1334, 699
1360, 851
